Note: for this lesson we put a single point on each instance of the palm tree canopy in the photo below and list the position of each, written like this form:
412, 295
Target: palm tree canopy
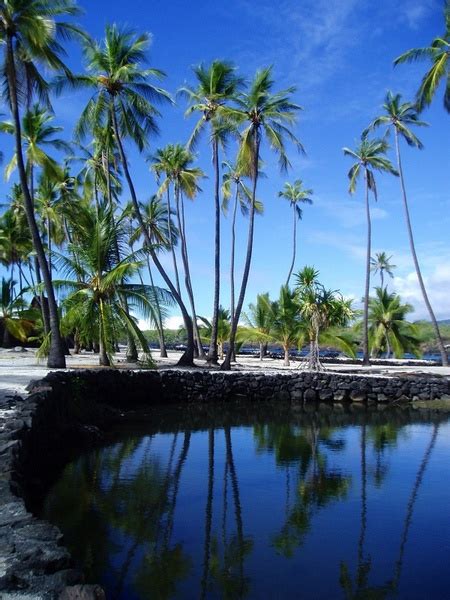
217, 84
236, 174
387, 320
438, 53
268, 112
37, 33
402, 116
381, 263
117, 76
369, 156
175, 162
296, 194
37, 134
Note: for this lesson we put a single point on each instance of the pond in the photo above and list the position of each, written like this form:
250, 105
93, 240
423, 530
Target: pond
263, 503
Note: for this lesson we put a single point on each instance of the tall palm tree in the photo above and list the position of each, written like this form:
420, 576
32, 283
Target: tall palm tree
158, 221
401, 117
438, 53
30, 34
295, 194
234, 175
380, 264
269, 116
217, 85
388, 327
369, 157
124, 97
184, 177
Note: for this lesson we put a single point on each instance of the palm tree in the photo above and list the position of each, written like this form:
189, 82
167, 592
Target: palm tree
30, 33
322, 310
369, 156
123, 97
99, 283
295, 194
15, 242
163, 233
380, 264
14, 319
288, 327
259, 321
177, 165
388, 327
223, 330
269, 115
217, 85
401, 116
438, 53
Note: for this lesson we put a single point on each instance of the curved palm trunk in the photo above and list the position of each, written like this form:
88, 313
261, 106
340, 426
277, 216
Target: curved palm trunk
187, 272
160, 326
440, 343
187, 359
294, 245
411, 504
103, 354
237, 507
56, 357
366, 358
226, 365
212, 353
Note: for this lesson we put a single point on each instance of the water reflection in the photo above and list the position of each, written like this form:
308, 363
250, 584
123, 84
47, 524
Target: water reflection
261, 505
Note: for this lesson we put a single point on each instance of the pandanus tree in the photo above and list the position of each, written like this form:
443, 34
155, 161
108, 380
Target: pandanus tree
381, 264
388, 328
369, 156
269, 116
177, 164
124, 97
30, 35
295, 194
438, 53
217, 85
322, 310
401, 116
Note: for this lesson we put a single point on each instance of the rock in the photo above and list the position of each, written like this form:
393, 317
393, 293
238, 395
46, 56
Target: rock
358, 396
83, 592
309, 395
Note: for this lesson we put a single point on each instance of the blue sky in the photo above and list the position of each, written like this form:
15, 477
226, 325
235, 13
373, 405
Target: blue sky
339, 54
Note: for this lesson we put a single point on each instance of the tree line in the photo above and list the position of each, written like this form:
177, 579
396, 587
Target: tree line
66, 230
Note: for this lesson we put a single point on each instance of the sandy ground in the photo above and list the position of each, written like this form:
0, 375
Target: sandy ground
17, 369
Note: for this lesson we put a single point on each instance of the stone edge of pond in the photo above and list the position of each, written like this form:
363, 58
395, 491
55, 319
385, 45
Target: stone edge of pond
67, 412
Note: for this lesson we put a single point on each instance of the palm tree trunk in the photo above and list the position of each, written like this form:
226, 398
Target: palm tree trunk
160, 326
103, 358
366, 358
212, 353
226, 365
172, 246
187, 273
286, 356
232, 262
294, 245
208, 515
382, 278
440, 343
49, 244
56, 357
187, 359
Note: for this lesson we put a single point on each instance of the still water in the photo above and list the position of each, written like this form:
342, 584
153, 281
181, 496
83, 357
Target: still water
258, 503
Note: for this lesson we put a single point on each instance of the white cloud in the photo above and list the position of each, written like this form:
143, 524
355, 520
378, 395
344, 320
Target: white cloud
350, 213
437, 285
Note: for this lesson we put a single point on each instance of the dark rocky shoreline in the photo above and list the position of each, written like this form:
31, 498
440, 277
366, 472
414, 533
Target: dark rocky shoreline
68, 412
